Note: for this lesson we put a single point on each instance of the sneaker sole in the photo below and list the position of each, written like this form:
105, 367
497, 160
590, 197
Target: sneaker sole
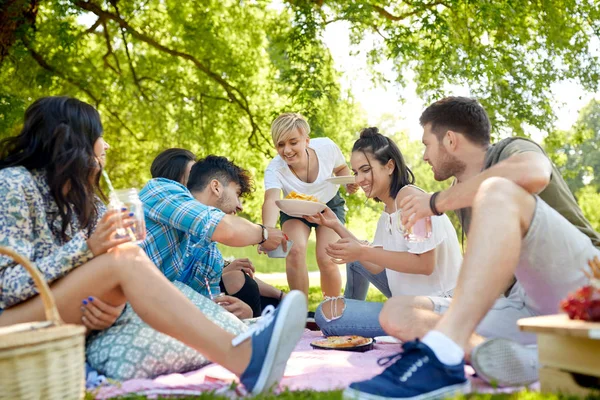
503, 362
292, 318
461, 388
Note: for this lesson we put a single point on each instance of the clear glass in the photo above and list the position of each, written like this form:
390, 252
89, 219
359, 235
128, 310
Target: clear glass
128, 198
419, 232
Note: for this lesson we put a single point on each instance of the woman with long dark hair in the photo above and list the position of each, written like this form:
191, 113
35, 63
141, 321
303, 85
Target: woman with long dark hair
427, 266
50, 212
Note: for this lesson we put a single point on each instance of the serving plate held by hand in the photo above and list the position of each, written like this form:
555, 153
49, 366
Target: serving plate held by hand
299, 208
342, 180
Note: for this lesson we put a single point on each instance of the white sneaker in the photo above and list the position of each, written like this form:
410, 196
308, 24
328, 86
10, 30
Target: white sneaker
503, 362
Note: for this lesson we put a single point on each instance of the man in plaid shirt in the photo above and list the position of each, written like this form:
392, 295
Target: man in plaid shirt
181, 234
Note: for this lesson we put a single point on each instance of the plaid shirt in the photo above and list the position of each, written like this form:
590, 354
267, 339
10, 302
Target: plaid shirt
179, 230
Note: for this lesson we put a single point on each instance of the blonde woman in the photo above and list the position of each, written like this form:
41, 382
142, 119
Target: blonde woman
303, 165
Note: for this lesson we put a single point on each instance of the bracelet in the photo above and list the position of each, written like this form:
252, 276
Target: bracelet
262, 234
432, 207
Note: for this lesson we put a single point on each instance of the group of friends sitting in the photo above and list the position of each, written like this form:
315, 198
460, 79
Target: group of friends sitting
528, 246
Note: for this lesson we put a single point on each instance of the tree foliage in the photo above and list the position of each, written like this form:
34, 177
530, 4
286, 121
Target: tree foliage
211, 75
508, 53
577, 155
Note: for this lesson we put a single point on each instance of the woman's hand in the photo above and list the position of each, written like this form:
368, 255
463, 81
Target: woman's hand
351, 188
345, 250
242, 264
97, 315
325, 218
235, 306
104, 237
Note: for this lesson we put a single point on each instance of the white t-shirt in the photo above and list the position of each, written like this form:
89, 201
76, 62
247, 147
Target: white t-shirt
448, 257
278, 174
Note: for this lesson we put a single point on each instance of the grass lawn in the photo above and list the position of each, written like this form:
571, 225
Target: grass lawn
266, 265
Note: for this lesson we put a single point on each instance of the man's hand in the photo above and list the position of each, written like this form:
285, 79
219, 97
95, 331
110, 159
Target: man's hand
242, 264
235, 306
345, 250
415, 207
276, 238
97, 315
326, 218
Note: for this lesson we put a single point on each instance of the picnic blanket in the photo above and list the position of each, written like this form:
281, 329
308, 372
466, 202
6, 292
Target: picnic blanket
308, 368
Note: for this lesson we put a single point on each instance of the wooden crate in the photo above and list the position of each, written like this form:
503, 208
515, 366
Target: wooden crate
569, 353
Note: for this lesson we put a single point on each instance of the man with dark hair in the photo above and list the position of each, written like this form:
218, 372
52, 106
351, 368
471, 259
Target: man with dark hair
217, 182
182, 231
522, 221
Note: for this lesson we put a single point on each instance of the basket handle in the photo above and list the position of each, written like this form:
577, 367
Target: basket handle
47, 297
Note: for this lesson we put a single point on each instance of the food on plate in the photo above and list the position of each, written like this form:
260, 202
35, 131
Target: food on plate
584, 304
299, 196
340, 342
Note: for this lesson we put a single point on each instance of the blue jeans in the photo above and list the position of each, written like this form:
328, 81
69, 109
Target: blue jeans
358, 279
356, 318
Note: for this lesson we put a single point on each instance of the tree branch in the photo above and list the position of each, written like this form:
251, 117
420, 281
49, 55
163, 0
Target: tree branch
136, 81
233, 93
386, 14
44, 64
109, 50
15, 16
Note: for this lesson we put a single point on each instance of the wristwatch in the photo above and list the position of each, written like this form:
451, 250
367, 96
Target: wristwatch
265, 233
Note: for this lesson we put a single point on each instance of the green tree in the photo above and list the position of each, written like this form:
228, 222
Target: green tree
577, 155
508, 53
209, 76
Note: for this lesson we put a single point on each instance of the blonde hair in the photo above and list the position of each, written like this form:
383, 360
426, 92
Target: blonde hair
288, 123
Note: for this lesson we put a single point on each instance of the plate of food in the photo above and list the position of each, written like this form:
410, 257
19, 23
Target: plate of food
342, 180
345, 343
299, 205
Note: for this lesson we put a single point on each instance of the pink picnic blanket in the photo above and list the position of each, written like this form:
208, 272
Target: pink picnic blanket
308, 368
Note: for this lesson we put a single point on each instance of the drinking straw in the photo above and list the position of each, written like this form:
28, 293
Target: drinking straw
208, 287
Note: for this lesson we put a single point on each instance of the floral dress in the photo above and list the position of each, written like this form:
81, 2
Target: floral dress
31, 225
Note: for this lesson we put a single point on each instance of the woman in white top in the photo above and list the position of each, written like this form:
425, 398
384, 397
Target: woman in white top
428, 267
303, 165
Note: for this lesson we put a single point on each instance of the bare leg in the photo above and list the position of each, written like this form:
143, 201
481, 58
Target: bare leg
331, 279
295, 263
233, 281
502, 213
127, 274
410, 317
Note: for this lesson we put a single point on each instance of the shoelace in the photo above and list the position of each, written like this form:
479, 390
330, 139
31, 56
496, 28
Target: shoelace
267, 317
407, 364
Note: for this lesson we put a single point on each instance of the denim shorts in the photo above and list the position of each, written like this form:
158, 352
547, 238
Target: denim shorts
337, 205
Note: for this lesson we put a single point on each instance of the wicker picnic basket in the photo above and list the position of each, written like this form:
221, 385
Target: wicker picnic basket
41, 360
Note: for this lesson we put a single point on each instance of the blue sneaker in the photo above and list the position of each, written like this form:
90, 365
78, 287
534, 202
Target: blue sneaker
414, 374
274, 337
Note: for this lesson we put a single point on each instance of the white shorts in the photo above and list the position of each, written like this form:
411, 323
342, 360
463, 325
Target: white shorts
554, 254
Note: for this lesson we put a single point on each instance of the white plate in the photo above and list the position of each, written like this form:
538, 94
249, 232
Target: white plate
387, 340
341, 180
299, 208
